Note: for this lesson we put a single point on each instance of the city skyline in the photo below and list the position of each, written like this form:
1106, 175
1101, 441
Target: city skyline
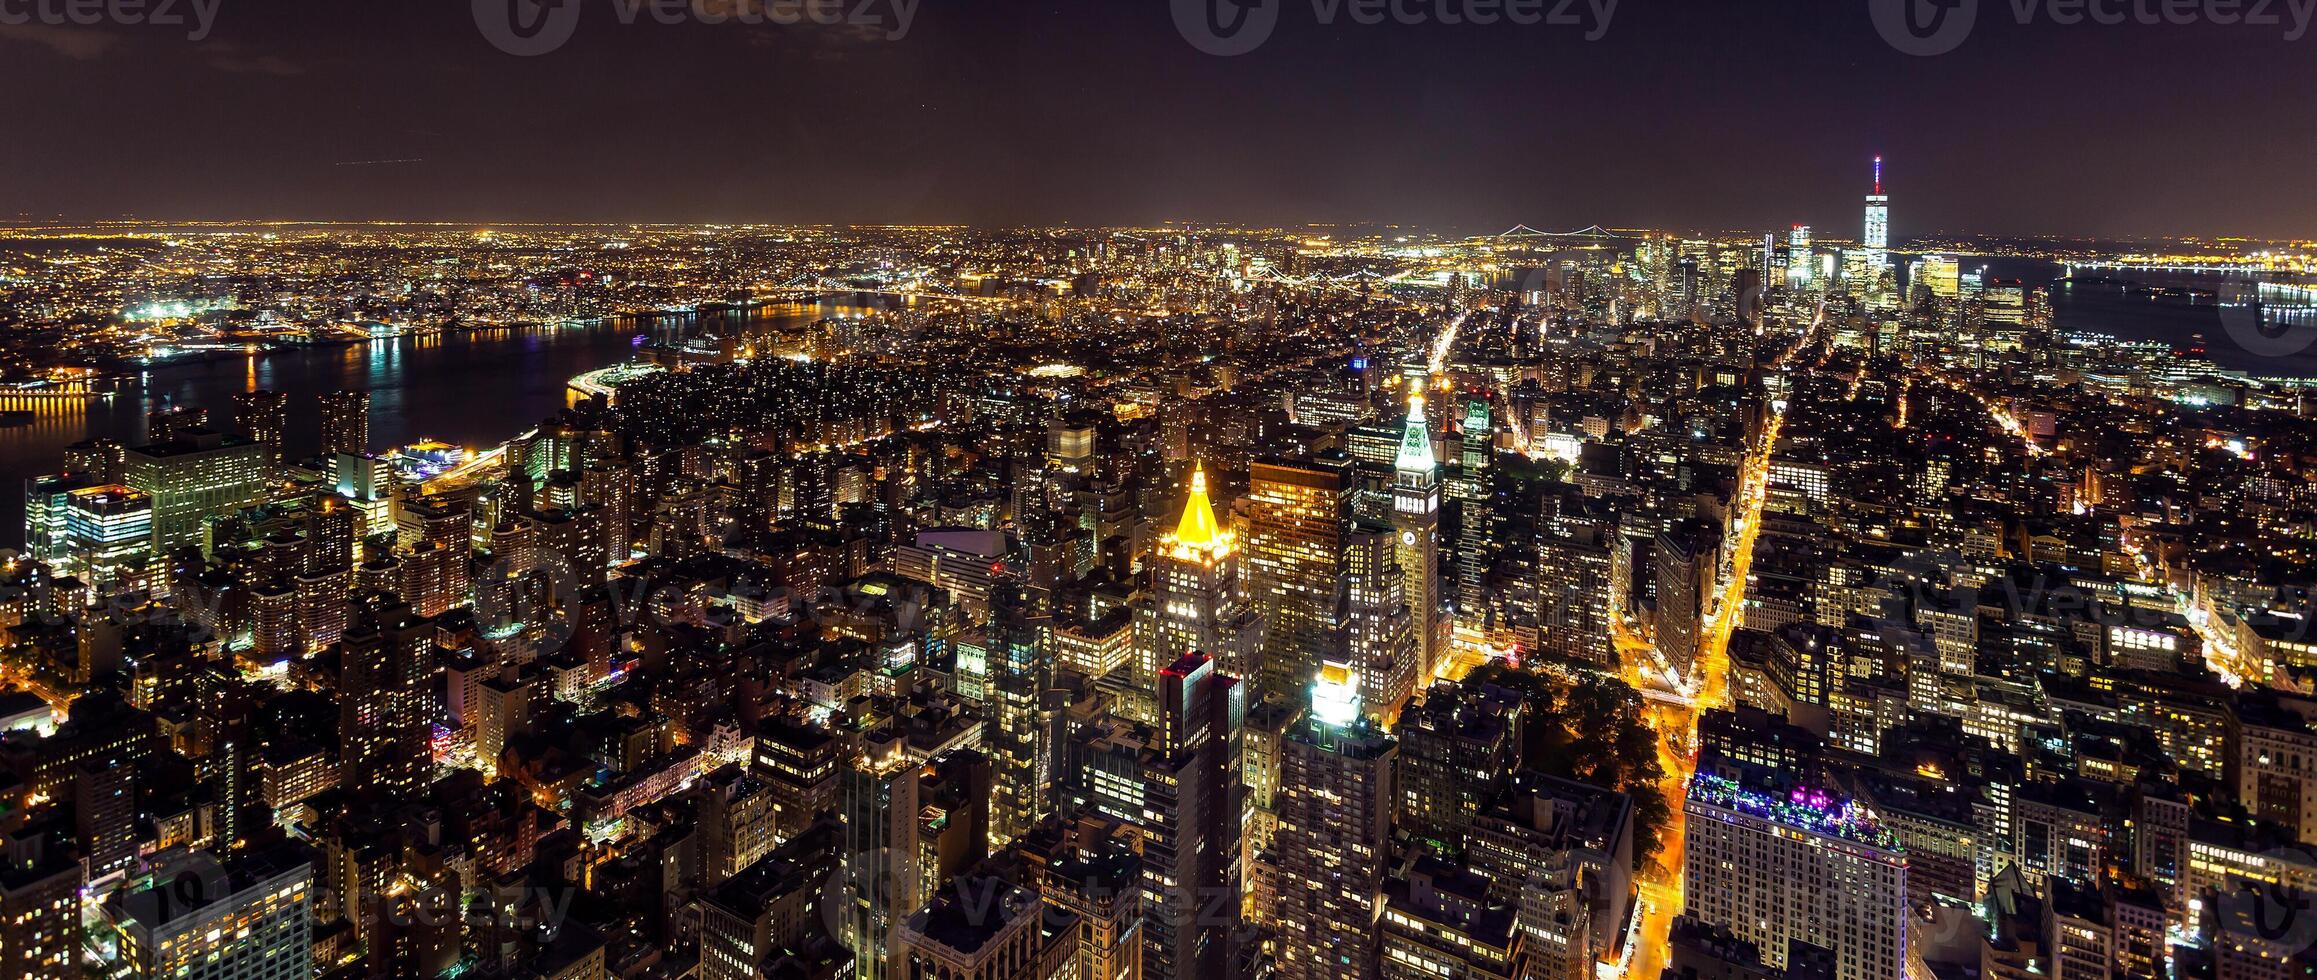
1244, 603
1170, 490
1871, 235
1904, 240
1874, 239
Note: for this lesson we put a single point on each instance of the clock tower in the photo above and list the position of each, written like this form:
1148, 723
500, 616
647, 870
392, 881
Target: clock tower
1416, 516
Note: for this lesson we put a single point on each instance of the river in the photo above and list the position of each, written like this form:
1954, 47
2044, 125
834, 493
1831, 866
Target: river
474, 389
2099, 301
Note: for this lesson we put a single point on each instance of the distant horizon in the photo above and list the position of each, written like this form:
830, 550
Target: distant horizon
65, 225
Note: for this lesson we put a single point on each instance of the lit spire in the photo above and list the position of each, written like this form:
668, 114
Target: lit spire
1197, 531
1878, 176
1416, 443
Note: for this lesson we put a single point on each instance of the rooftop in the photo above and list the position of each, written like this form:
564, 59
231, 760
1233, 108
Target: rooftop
1810, 810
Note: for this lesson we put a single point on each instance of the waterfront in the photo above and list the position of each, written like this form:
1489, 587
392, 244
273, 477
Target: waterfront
473, 389
2101, 301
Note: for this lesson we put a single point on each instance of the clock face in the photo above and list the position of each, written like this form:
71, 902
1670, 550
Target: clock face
1407, 537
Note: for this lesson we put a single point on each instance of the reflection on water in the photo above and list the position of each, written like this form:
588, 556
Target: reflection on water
2104, 301
472, 389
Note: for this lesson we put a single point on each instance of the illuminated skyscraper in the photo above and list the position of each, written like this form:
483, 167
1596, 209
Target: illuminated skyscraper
105, 527
1472, 547
273, 610
1799, 865
47, 514
104, 798
1799, 265
1878, 225
346, 422
1941, 275
1379, 637
1321, 882
1198, 603
1477, 438
1416, 516
1295, 526
369, 483
1071, 446
1683, 562
435, 533
386, 701
739, 813
1456, 745
1575, 596
1099, 883
323, 583
1019, 740
252, 918
609, 487
262, 416
1190, 849
200, 476
881, 882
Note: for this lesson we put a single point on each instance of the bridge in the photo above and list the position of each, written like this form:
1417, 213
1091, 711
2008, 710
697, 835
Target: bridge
2295, 267
51, 395
1522, 232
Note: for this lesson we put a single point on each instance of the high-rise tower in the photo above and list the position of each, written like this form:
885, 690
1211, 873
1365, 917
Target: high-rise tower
1878, 225
194, 479
881, 882
1798, 865
1800, 265
346, 422
1295, 532
1191, 844
1416, 516
1198, 603
1320, 885
263, 416
1379, 637
1019, 739
386, 705
1472, 546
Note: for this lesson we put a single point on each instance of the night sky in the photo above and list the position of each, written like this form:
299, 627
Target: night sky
1693, 114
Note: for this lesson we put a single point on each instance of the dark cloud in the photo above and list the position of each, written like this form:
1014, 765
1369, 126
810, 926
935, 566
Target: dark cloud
76, 43
1684, 114
260, 64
